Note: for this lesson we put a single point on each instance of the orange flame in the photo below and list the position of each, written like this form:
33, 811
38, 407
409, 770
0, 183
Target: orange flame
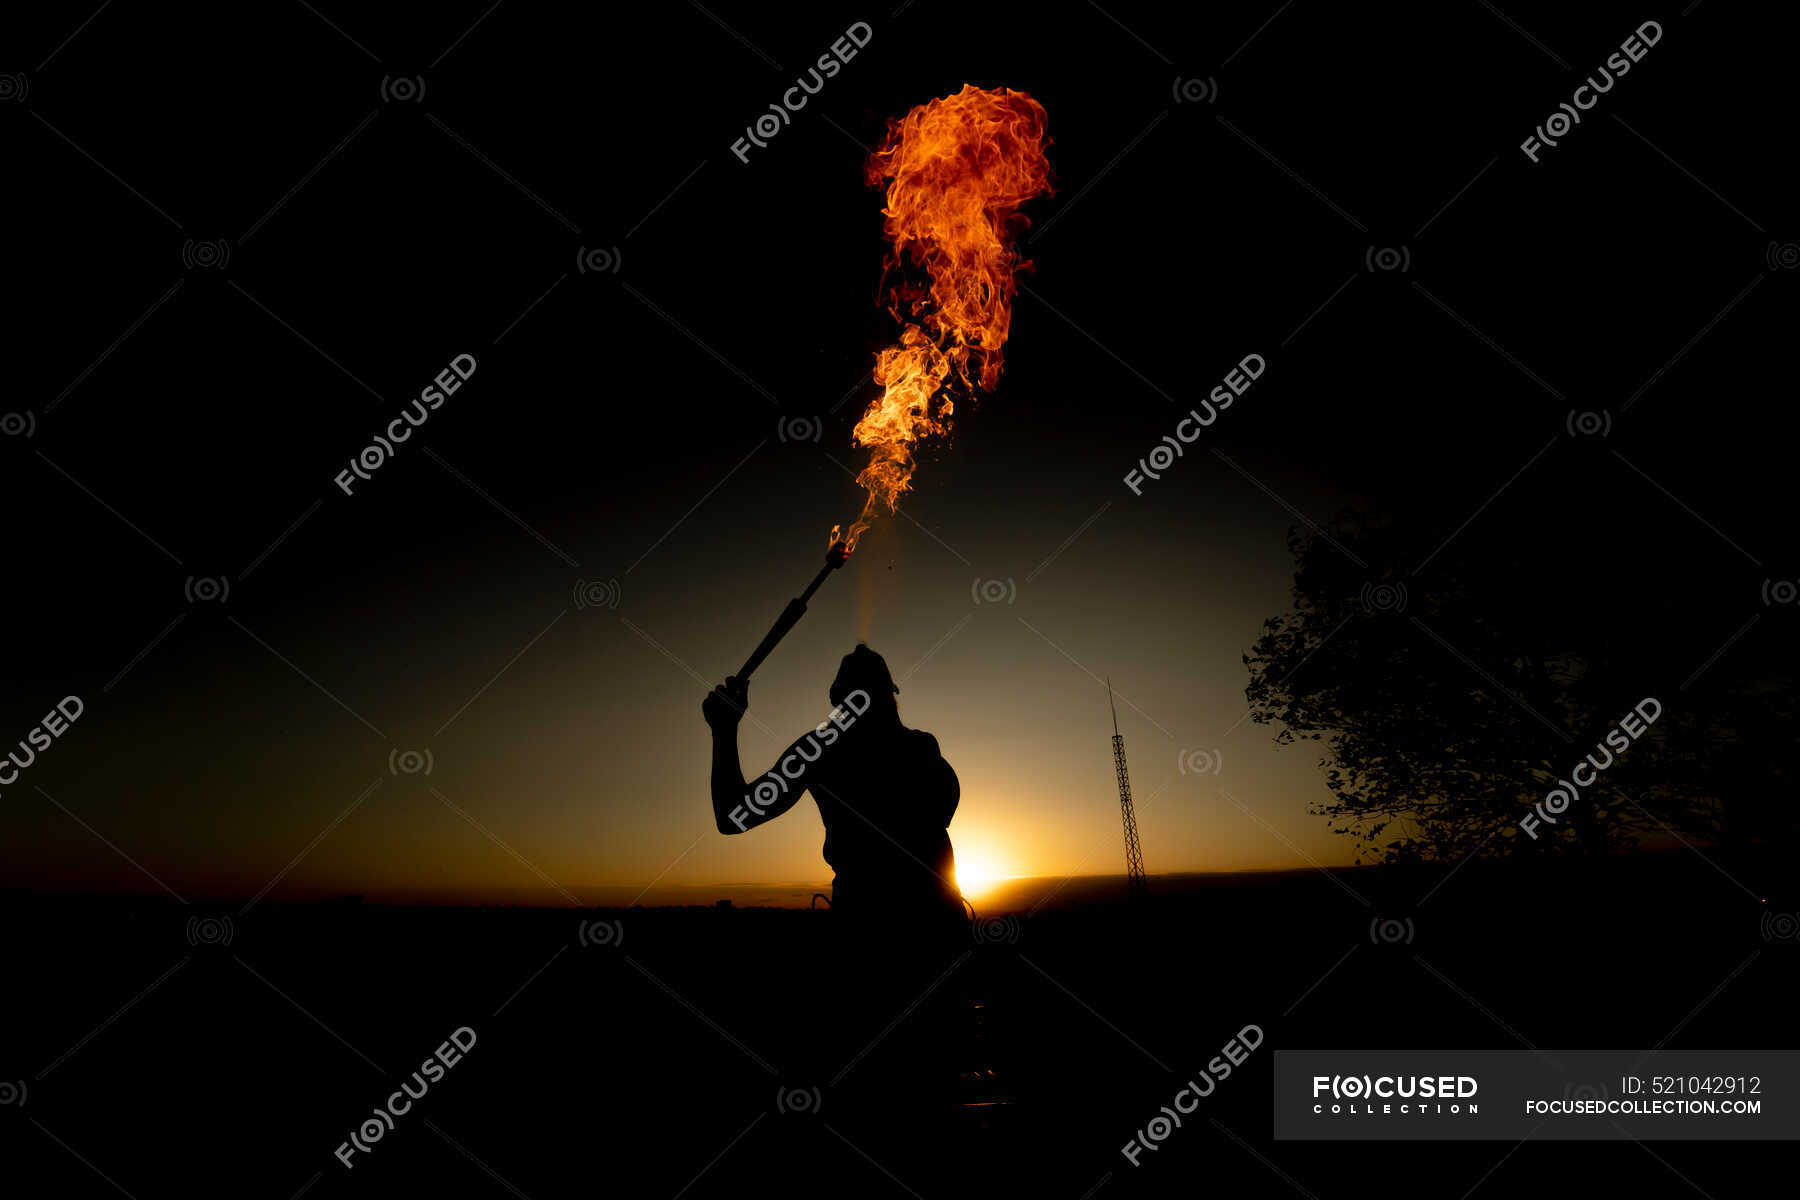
957, 170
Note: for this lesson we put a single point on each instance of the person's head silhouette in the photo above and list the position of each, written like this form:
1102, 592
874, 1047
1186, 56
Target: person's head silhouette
866, 671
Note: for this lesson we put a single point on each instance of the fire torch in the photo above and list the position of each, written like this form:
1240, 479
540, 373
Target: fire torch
796, 608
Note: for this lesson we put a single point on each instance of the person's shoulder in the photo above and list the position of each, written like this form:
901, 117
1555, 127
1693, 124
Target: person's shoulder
925, 742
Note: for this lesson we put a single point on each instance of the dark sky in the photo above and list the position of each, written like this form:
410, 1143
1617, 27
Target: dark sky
179, 425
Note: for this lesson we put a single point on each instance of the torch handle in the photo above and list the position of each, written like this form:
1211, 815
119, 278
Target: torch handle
790, 616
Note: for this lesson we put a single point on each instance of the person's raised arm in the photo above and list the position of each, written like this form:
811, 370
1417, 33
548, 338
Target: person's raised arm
738, 806
723, 708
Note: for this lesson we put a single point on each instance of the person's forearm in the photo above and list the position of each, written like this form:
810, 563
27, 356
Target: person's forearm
727, 777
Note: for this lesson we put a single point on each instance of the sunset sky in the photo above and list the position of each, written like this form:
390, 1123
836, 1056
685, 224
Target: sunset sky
587, 755
625, 425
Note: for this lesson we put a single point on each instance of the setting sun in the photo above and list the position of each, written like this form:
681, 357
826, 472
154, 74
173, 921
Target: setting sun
977, 872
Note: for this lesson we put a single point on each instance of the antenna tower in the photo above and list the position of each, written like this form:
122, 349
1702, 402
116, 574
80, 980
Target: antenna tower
1134, 853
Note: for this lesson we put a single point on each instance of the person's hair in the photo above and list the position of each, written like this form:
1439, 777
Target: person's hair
863, 669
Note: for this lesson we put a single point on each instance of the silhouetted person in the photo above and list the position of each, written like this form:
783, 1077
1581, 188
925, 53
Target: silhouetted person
884, 792
886, 796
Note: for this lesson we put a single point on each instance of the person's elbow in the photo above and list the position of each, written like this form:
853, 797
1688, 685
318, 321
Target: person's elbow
733, 818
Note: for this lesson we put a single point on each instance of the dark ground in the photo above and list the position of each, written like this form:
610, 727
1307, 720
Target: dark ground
668, 1056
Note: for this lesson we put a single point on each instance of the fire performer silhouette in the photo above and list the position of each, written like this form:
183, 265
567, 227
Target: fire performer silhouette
955, 172
884, 792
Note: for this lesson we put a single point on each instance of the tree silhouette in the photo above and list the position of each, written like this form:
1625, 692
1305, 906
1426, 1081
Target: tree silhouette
1452, 685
